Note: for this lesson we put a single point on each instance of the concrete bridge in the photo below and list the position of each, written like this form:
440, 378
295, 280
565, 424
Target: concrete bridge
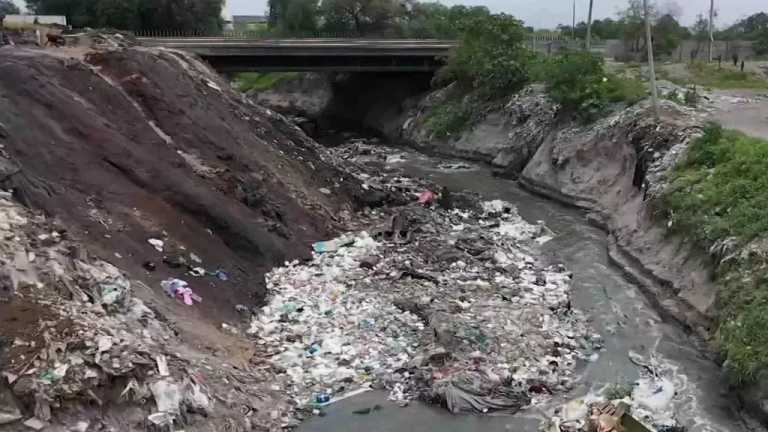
340, 55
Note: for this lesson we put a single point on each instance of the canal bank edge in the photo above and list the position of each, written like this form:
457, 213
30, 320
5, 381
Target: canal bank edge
615, 168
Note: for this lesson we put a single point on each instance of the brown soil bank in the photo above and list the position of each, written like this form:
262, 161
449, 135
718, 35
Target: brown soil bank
131, 144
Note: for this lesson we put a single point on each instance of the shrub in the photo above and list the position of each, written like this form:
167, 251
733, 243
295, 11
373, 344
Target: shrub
491, 56
256, 81
575, 80
449, 119
578, 81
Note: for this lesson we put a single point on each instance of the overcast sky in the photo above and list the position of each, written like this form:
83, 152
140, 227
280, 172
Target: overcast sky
550, 13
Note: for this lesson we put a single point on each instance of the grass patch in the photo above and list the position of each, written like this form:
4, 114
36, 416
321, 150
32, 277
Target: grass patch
719, 196
256, 81
708, 75
449, 118
622, 89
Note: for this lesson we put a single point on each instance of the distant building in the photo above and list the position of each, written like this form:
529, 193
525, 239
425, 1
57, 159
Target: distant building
20, 21
249, 22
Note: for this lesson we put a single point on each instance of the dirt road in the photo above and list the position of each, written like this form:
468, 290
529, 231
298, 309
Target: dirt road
745, 110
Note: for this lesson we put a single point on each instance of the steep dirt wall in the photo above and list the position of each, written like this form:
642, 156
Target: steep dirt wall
616, 167
131, 144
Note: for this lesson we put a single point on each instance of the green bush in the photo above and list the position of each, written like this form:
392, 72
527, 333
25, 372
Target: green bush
578, 81
720, 192
721, 189
491, 57
256, 81
450, 118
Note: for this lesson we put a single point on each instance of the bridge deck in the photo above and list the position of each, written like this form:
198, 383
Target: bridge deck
239, 55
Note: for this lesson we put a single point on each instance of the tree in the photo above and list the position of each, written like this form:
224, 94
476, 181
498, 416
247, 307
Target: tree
293, 17
608, 29
491, 56
178, 15
437, 20
761, 42
8, 8
360, 16
633, 20
750, 28
668, 34
700, 31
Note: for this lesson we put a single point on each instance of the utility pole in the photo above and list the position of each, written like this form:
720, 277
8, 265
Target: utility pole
651, 63
589, 26
711, 29
573, 28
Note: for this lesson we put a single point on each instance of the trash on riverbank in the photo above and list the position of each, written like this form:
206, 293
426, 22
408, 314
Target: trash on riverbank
447, 306
180, 290
645, 406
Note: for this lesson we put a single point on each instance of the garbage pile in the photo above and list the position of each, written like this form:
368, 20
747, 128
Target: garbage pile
73, 337
643, 406
447, 306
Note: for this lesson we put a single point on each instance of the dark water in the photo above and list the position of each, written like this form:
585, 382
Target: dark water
617, 310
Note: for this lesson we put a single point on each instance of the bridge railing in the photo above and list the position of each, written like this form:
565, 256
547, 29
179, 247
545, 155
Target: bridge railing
270, 34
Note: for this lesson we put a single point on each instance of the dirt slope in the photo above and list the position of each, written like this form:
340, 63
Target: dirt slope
134, 143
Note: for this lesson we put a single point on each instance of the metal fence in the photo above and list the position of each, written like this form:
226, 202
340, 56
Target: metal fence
271, 34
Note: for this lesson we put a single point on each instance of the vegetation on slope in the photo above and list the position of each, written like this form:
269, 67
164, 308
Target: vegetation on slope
256, 81
718, 196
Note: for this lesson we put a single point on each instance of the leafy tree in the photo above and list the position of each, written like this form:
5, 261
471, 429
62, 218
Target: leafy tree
668, 34
136, 14
492, 55
360, 16
750, 28
633, 19
8, 8
438, 21
575, 80
294, 17
761, 43
608, 29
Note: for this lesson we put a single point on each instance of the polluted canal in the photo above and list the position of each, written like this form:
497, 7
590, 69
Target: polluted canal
494, 303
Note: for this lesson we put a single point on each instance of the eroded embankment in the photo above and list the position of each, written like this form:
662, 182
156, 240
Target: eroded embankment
620, 168
113, 148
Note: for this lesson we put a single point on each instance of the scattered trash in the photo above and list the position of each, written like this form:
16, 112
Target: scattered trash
325, 191
332, 325
322, 398
332, 245
427, 197
180, 289
162, 365
221, 275
157, 244
197, 272
35, 423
